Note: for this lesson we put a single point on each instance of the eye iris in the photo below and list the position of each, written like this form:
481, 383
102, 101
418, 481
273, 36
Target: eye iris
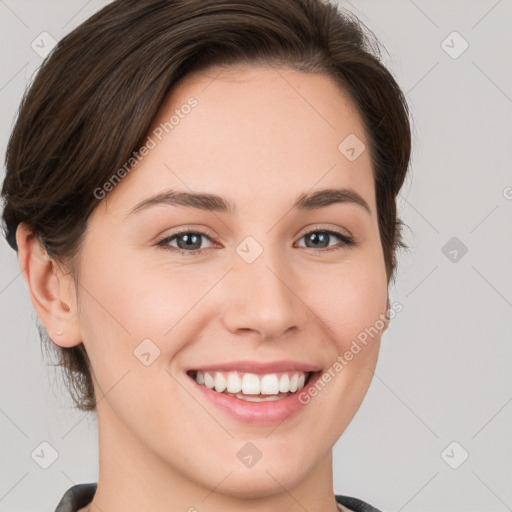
190, 240
318, 235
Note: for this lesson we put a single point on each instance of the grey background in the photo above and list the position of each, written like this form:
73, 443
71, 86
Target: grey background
444, 369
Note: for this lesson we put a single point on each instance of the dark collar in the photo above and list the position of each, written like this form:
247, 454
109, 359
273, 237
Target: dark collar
81, 495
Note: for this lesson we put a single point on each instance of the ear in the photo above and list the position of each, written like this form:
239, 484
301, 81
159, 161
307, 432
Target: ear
52, 292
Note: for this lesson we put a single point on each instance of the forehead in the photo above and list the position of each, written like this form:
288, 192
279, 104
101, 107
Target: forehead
253, 130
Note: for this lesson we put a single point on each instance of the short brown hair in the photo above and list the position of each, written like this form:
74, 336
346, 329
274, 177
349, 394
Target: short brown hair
97, 93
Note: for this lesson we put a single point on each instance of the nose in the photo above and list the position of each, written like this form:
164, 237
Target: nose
261, 299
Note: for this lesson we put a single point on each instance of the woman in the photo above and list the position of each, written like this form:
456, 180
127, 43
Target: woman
203, 200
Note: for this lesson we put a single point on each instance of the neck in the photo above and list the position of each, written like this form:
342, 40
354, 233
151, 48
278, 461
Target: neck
132, 477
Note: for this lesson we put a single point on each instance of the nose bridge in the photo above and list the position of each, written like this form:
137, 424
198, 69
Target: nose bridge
261, 296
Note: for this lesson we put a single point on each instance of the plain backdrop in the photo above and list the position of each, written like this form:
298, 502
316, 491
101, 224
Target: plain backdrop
433, 432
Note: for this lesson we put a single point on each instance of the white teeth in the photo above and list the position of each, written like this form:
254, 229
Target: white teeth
220, 382
269, 385
200, 378
284, 383
234, 383
252, 384
293, 382
208, 381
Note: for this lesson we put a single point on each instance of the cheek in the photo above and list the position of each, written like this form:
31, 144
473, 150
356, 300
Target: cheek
353, 301
120, 308
130, 296
126, 299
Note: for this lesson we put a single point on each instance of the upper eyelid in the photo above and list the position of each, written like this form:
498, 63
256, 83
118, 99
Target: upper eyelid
313, 227
200, 231
320, 227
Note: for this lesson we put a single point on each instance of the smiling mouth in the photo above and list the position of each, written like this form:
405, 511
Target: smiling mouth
252, 387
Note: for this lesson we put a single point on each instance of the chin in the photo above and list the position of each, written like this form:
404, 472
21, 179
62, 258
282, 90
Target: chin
259, 484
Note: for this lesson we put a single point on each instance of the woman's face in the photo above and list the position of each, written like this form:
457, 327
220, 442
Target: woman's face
267, 285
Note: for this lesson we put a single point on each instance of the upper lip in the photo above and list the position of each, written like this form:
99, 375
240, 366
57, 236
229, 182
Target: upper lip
258, 367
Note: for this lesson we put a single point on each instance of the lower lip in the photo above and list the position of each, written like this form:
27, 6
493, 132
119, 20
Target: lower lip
261, 413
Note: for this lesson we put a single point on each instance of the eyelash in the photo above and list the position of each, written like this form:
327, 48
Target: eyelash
347, 241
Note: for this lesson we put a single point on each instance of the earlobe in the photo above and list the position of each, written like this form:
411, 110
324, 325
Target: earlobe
48, 289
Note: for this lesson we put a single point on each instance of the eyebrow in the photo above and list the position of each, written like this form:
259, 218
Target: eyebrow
214, 203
